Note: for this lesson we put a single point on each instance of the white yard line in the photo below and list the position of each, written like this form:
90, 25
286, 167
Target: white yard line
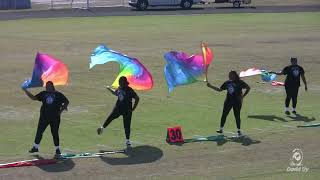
102, 145
71, 150
289, 126
259, 129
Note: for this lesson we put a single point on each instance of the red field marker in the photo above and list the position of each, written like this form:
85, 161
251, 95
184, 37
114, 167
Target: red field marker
174, 135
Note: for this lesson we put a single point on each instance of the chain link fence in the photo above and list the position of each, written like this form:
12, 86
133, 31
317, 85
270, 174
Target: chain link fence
81, 4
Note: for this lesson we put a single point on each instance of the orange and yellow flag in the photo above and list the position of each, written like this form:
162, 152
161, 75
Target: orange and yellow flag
207, 55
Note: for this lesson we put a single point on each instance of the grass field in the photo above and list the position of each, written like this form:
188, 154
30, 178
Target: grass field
239, 41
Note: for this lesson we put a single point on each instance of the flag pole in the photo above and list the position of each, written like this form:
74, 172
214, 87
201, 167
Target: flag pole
204, 56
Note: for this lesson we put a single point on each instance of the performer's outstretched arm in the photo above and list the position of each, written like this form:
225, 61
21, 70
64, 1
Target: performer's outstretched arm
213, 87
277, 73
31, 96
112, 90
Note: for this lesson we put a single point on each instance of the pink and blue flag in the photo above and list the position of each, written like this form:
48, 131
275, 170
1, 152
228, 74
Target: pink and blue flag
182, 69
265, 75
47, 68
250, 72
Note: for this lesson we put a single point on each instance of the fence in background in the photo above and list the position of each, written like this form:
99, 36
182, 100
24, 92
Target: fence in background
15, 4
83, 4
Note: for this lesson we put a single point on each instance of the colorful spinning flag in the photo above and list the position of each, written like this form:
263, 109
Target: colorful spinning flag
250, 72
138, 76
47, 68
207, 58
267, 77
182, 69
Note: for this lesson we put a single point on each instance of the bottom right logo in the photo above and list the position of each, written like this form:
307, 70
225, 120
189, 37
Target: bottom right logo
296, 160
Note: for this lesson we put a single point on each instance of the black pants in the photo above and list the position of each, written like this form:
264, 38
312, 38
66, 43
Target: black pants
43, 124
126, 119
228, 105
292, 93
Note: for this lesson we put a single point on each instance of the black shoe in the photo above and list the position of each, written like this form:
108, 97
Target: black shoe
220, 131
58, 152
239, 134
99, 130
33, 150
294, 112
287, 113
129, 144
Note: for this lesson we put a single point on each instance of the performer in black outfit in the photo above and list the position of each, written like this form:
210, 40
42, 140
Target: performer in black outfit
53, 103
292, 83
234, 98
123, 107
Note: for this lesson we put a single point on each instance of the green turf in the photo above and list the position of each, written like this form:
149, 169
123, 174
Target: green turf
239, 41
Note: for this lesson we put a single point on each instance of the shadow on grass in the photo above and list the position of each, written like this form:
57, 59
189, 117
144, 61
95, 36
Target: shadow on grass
298, 117
61, 166
220, 140
243, 140
267, 117
136, 155
295, 117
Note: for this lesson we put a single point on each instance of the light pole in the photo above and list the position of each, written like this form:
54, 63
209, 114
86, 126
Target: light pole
88, 4
51, 4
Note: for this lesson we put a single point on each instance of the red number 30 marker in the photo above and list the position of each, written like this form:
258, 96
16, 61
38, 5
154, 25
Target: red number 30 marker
174, 135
